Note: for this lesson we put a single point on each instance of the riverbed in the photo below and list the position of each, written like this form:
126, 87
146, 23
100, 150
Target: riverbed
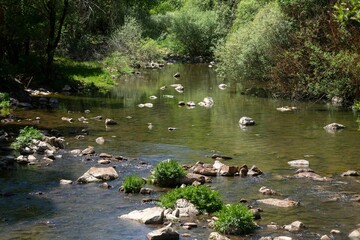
40, 208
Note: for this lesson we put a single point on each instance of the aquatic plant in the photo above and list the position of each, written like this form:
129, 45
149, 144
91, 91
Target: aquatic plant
133, 184
204, 198
26, 135
235, 219
167, 172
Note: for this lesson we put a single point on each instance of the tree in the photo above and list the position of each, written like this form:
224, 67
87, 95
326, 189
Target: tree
52, 9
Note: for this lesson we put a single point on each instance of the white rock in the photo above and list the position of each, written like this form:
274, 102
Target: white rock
299, 163
153, 215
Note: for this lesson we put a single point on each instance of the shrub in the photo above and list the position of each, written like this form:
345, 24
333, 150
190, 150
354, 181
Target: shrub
4, 101
26, 135
246, 11
347, 11
127, 39
133, 184
196, 31
204, 198
235, 219
250, 52
167, 172
129, 44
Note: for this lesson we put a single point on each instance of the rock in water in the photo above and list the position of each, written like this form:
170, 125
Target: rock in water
165, 233
153, 215
95, 174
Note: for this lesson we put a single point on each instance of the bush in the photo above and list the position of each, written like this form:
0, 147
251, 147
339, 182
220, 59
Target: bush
167, 172
196, 31
235, 219
26, 135
133, 184
127, 39
333, 73
4, 101
204, 198
246, 11
250, 52
129, 44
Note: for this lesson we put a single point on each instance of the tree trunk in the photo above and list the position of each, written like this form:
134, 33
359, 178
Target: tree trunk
54, 33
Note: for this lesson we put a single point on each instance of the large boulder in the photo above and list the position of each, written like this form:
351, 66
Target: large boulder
153, 215
96, 174
165, 233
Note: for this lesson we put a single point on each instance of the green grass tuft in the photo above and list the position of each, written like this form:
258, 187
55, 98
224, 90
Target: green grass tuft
235, 219
167, 172
133, 184
204, 198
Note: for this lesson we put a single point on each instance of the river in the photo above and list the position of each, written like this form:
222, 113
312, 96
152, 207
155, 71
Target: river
41, 208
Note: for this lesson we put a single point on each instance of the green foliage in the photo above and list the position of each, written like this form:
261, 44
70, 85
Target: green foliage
95, 75
347, 11
4, 100
235, 219
128, 42
195, 30
204, 198
250, 52
301, 10
246, 11
333, 73
167, 6
133, 184
26, 135
167, 172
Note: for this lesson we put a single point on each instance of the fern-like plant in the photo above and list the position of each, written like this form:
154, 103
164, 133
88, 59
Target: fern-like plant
167, 172
133, 184
26, 135
235, 219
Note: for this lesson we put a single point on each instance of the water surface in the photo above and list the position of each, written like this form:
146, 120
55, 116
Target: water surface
42, 209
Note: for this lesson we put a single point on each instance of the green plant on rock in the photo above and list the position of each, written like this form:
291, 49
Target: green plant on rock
167, 172
26, 135
235, 219
133, 184
204, 198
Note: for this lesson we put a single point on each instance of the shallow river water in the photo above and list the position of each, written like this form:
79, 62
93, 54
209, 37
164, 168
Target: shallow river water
41, 208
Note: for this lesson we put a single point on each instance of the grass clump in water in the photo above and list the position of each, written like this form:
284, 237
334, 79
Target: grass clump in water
26, 135
132, 184
167, 172
235, 219
204, 198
